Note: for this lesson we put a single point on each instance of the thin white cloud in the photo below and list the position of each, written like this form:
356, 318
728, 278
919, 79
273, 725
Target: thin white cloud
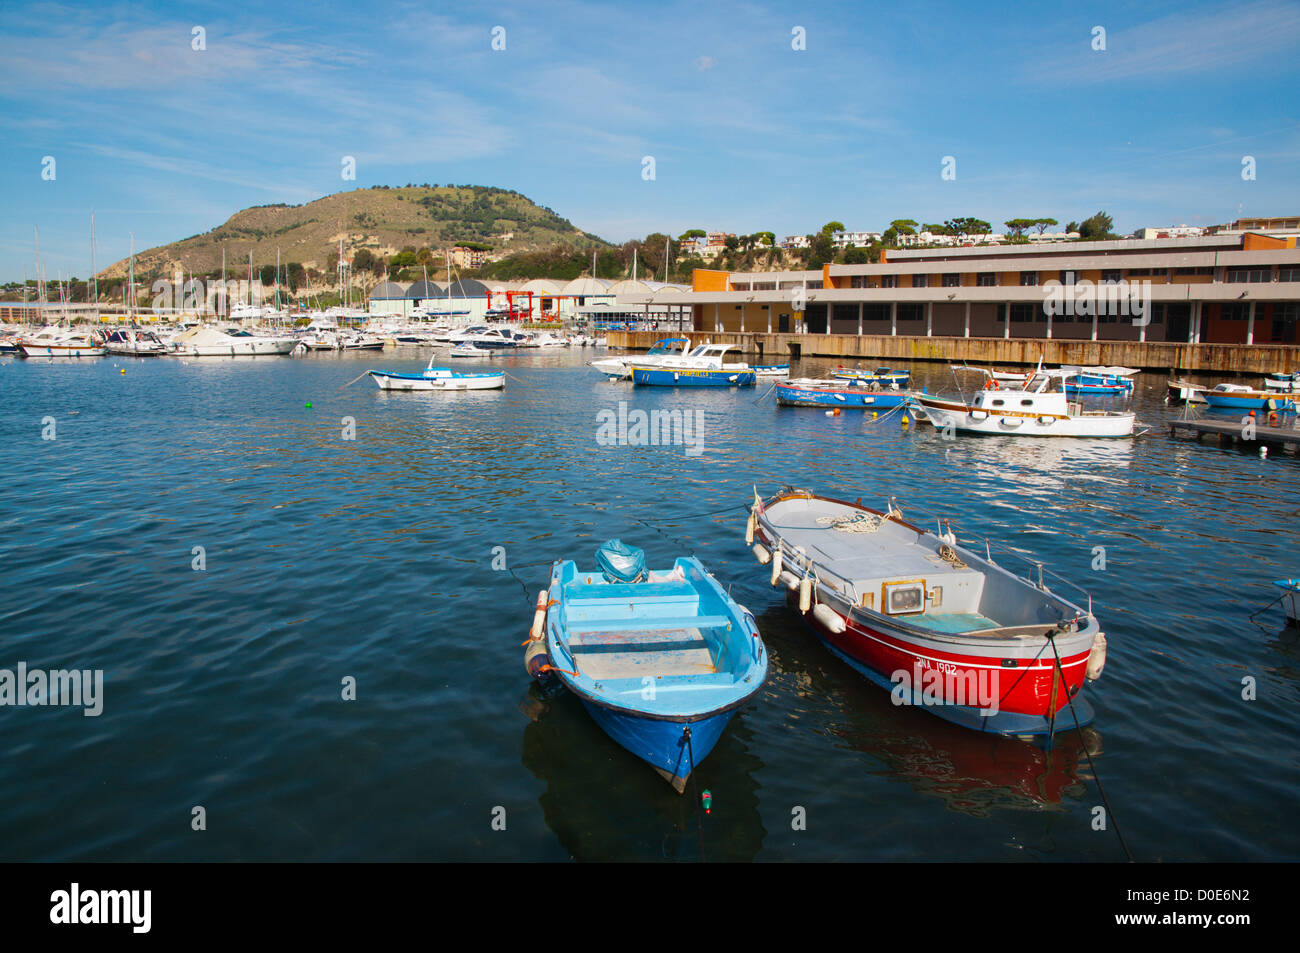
1233, 36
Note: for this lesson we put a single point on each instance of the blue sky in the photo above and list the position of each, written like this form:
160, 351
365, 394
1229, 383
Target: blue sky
747, 133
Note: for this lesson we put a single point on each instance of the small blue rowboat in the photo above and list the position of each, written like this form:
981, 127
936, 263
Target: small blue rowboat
838, 393
881, 375
661, 660
771, 370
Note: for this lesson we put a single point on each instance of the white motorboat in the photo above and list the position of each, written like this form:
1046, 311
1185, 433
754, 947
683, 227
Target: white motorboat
620, 368
1037, 408
1287, 383
213, 342
469, 349
54, 341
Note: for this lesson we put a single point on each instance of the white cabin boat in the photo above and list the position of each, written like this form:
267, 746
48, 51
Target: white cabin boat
54, 341
1037, 408
213, 342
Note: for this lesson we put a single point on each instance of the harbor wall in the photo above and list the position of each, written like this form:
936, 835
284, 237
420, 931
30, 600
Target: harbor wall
898, 349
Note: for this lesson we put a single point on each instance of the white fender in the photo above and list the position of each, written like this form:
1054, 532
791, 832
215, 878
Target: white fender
539, 617
749, 530
829, 617
762, 554
805, 593
790, 579
776, 567
1097, 657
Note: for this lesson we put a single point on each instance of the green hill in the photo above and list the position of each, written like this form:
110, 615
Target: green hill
382, 220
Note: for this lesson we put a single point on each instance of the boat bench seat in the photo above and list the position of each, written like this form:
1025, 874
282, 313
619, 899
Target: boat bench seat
647, 626
661, 652
580, 594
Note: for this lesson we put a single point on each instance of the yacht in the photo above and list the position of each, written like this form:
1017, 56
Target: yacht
1038, 407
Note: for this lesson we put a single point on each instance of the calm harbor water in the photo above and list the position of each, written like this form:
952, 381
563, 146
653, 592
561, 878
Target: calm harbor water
373, 558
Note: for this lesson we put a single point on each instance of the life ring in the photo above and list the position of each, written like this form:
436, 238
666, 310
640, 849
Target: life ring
993, 385
1272, 418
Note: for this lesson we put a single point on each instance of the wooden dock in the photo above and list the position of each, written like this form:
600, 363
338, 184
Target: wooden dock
1233, 432
1171, 357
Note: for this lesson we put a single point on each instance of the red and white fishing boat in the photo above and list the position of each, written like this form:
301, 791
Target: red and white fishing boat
919, 614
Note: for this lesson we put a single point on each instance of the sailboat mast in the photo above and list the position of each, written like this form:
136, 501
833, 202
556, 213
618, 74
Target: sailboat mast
130, 289
225, 302
94, 278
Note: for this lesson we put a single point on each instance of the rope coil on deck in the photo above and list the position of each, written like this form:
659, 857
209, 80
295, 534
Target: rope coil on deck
857, 523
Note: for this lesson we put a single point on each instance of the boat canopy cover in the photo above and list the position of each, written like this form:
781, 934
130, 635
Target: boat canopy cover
621, 562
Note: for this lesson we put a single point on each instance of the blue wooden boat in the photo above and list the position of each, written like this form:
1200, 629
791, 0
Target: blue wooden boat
881, 375
838, 393
661, 660
1104, 381
1239, 397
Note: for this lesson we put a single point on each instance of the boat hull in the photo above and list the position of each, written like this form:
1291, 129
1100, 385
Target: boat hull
793, 395
1248, 401
39, 350
662, 744
414, 382
1290, 599
691, 377
1023, 694
964, 419
268, 347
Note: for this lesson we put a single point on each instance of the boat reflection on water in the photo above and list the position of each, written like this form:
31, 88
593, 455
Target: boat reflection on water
603, 807
1044, 466
971, 772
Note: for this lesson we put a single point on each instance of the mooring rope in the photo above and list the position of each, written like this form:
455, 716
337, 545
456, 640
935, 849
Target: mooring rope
1110, 814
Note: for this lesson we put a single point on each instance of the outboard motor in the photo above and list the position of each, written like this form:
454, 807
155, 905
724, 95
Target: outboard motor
620, 562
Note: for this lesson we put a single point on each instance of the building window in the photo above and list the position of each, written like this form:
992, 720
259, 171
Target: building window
1288, 273
1028, 278
1141, 272
952, 281
1207, 270
1023, 313
911, 312
1111, 276
1067, 278
1235, 312
920, 281
1250, 275
889, 281
986, 279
